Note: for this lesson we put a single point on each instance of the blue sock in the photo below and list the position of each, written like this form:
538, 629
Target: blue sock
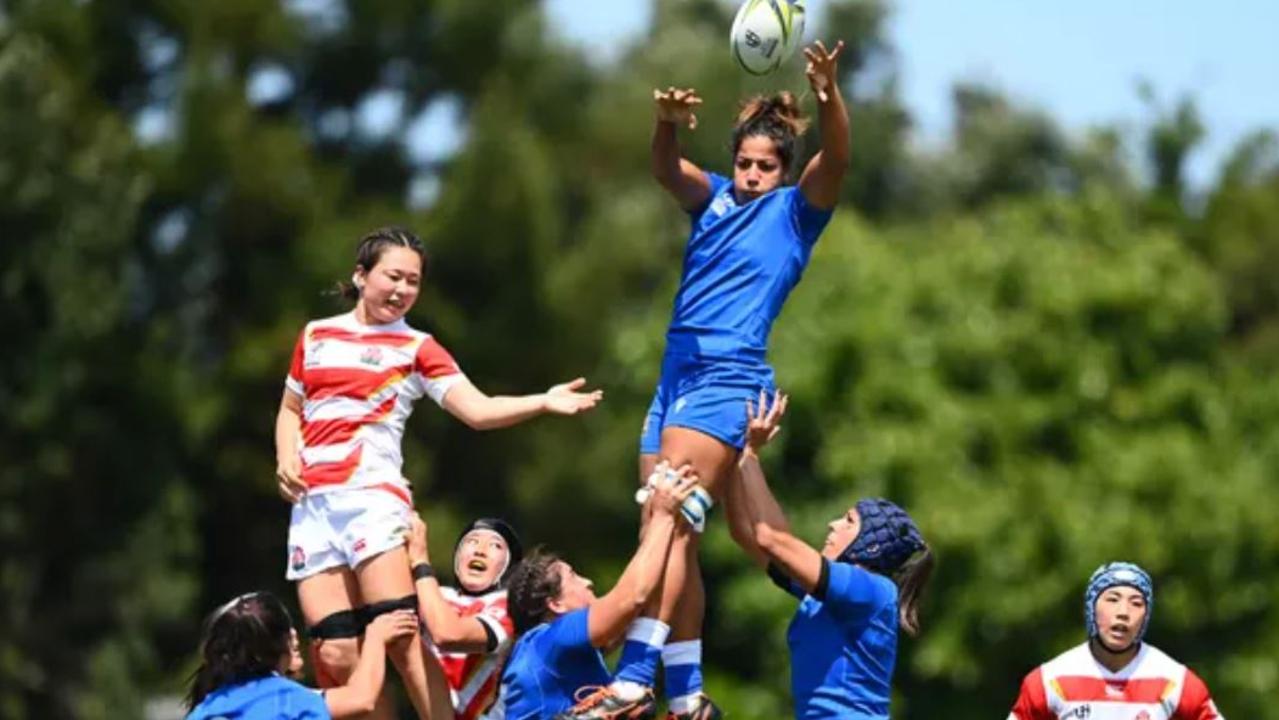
683, 661
642, 651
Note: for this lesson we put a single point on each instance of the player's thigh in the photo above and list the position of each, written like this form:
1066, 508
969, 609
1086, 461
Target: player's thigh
385, 576
711, 457
326, 593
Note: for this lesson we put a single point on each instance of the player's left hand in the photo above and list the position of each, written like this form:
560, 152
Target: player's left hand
564, 399
822, 68
415, 540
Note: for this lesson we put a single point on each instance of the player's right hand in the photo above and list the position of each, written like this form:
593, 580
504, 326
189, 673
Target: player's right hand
391, 626
672, 489
764, 421
415, 540
288, 476
677, 106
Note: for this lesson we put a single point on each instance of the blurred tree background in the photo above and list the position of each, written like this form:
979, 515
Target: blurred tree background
1044, 343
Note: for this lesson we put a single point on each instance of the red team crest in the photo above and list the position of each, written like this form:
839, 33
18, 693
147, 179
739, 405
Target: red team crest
297, 559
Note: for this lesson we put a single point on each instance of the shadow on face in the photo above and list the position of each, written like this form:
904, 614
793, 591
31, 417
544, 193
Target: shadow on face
757, 167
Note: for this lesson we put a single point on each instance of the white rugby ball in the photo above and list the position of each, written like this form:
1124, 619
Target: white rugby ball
765, 33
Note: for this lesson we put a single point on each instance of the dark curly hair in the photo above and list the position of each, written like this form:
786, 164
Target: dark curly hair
533, 583
777, 118
370, 249
244, 639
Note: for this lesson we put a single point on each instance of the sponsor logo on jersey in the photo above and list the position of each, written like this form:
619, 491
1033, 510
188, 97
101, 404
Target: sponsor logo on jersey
359, 546
1081, 712
297, 559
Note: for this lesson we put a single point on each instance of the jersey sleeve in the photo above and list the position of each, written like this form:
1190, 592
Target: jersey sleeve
294, 380
437, 368
1032, 701
496, 619
811, 221
1196, 703
853, 594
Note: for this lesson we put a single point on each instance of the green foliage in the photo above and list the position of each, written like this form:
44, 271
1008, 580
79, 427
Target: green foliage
1050, 362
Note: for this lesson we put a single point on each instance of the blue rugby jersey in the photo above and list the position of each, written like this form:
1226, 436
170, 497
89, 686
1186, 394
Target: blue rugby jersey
843, 648
740, 264
548, 665
266, 698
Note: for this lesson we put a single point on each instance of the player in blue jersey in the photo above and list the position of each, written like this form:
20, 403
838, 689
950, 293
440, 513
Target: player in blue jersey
751, 238
249, 653
855, 592
563, 626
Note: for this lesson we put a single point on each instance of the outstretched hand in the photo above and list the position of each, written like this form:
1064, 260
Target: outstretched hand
822, 69
764, 422
677, 106
415, 540
564, 399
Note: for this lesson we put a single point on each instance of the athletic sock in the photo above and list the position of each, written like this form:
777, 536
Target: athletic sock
683, 662
637, 668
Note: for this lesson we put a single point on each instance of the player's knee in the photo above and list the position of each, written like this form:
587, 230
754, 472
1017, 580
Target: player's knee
335, 660
335, 646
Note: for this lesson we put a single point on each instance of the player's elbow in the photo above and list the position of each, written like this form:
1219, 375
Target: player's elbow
767, 538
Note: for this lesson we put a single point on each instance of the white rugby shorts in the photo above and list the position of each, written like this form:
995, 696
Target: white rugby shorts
343, 528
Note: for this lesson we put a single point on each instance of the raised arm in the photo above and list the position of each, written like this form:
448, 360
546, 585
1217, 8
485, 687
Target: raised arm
610, 615
763, 424
479, 411
682, 179
448, 630
360, 694
824, 174
770, 531
288, 460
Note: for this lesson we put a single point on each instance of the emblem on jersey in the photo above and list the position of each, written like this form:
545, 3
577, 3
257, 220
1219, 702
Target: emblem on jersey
722, 204
371, 356
1115, 690
359, 546
1143, 715
297, 559
679, 404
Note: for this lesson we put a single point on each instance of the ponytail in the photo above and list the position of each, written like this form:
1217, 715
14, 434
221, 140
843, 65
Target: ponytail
777, 117
911, 579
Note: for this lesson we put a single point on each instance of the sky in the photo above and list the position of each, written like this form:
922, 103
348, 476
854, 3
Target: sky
1081, 61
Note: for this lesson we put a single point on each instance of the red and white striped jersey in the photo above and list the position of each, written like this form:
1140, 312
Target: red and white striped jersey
473, 677
358, 384
1075, 686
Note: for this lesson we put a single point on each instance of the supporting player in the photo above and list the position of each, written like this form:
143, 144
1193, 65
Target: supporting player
563, 626
855, 593
469, 629
350, 389
1114, 675
249, 652
751, 239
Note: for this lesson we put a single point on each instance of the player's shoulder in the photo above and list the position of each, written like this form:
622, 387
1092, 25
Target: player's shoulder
1078, 660
1155, 662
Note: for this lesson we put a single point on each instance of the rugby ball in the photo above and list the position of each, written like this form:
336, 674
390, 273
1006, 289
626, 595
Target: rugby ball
765, 33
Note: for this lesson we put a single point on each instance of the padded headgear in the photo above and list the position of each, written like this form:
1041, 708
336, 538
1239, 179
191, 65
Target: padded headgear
514, 550
887, 538
1111, 575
